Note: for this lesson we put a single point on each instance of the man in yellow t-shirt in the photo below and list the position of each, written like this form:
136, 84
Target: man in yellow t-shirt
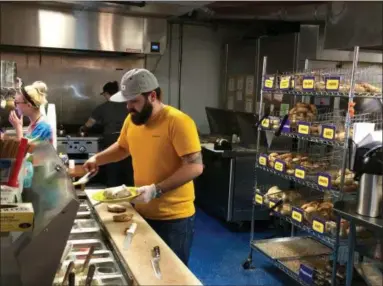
166, 157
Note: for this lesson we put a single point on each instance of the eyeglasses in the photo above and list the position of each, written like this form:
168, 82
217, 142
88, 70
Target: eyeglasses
20, 102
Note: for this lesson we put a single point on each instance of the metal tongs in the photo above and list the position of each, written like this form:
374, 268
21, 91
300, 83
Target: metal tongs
88, 257
85, 179
68, 271
89, 277
156, 261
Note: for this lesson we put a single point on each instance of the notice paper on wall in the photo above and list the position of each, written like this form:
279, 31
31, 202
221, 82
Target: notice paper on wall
239, 95
249, 105
231, 84
230, 102
249, 90
240, 83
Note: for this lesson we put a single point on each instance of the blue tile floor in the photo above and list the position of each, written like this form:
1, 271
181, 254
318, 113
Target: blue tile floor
217, 255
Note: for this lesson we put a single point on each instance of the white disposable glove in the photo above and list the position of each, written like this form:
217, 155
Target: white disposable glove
146, 194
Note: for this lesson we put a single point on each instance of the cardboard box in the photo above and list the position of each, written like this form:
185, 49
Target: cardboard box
16, 217
9, 195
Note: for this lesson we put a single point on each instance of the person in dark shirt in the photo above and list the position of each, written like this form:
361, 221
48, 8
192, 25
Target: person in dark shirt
111, 115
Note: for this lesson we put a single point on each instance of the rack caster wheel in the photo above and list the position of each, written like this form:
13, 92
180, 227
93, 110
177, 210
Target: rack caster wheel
247, 264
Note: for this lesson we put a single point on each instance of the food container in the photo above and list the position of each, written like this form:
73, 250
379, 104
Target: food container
84, 212
16, 217
98, 254
113, 280
82, 245
85, 229
104, 267
85, 225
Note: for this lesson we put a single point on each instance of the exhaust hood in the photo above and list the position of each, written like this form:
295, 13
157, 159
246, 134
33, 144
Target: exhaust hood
40, 27
312, 40
355, 23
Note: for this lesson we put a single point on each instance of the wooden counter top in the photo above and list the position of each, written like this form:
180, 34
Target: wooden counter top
138, 256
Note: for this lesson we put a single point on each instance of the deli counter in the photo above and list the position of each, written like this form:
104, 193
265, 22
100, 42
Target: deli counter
74, 239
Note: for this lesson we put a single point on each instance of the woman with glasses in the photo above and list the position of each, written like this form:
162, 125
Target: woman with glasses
28, 102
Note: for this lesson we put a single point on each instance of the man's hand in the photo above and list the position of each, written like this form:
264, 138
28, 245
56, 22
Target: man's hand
91, 165
146, 194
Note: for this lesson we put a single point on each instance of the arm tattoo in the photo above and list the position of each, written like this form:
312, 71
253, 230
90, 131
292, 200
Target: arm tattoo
193, 158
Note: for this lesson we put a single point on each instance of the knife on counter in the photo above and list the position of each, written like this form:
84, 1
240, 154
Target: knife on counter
129, 235
156, 256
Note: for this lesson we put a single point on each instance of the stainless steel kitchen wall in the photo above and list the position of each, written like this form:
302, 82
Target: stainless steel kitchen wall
74, 81
22, 25
243, 67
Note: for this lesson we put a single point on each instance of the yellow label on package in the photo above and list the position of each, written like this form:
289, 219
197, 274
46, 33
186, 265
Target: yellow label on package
323, 181
292, 83
303, 129
308, 83
279, 166
284, 83
328, 133
266, 123
262, 161
269, 83
296, 216
271, 204
16, 217
300, 174
258, 199
332, 84
318, 226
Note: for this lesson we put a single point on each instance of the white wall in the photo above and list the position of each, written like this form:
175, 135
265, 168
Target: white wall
201, 71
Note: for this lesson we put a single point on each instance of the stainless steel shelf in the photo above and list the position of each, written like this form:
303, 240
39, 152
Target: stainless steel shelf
315, 186
314, 139
325, 93
325, 239
278, 264
347, 210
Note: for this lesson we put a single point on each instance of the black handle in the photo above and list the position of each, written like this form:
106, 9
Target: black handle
68, 271
156, 251
283, 122
260, 120
366, 159
89, 277
72, 279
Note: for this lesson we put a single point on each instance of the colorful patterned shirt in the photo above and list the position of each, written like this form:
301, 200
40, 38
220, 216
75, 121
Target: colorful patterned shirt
40, 131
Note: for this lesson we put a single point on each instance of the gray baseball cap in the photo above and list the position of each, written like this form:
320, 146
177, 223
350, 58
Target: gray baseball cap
134, 83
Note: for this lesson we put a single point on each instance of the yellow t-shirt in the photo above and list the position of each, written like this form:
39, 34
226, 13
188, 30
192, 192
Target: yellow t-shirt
156, 149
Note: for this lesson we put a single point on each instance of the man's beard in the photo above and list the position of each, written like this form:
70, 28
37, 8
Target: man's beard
140, 118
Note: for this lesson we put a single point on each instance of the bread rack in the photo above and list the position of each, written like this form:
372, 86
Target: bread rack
330, 143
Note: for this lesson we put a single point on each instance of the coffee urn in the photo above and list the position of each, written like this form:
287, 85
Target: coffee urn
368, 168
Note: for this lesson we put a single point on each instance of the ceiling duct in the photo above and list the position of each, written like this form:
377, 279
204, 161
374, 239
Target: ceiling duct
316, 12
